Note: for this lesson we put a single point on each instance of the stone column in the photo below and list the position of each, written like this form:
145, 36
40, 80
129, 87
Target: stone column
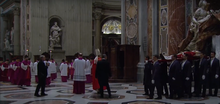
155, 32
98, 15
123, 17
17, 31
3, 29
142, 29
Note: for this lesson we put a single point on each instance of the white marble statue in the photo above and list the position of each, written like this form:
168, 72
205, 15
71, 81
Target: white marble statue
6, 44
55, 33
201, 15
12, 35
7, 34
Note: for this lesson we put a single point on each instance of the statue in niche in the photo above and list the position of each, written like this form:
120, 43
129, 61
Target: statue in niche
54, 38
12, 35
6, 44
203, 25
7, 34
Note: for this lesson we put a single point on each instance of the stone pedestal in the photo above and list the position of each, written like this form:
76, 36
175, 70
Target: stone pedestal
58, 55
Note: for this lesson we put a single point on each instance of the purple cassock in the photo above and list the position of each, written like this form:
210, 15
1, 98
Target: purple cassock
27, 72
19, 74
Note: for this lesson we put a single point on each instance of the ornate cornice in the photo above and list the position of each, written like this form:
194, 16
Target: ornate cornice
16, 11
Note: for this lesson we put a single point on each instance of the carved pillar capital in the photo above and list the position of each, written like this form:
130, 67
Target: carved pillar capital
98, 13
16, 11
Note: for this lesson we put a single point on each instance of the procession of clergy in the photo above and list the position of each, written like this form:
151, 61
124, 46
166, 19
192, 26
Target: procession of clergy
19, 73
184, 69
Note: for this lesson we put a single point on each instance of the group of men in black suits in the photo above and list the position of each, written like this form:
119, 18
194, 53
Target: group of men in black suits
180, 74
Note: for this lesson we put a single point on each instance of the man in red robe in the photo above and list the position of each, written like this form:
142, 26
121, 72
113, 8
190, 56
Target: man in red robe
26, 65
95, 83
4, 68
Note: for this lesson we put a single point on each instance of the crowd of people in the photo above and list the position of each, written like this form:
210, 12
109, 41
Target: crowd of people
181, 73
81, 70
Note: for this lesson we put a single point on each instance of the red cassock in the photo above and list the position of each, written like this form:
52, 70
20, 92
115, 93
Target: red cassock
95, 83
1, 71
5, 74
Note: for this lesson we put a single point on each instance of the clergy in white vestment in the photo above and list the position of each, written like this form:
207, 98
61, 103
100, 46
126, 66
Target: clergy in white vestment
79, 75
48, 80
63, 70
53, 69
27, 66
35, 70
88, 71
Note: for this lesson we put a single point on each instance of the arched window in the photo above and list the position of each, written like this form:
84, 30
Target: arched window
112, 27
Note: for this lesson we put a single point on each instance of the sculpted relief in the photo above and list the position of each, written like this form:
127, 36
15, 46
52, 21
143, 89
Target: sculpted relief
204, 24
55, 36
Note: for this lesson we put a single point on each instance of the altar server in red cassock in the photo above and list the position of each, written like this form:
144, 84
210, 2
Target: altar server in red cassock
79, 75
63, 70
26, 65
71, 69
88, 71
1, 62
53, 67
35, 70
5, 70
12, 71
20, 74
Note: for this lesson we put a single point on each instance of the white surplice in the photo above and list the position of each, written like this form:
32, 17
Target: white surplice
35, 68
79, 65
63, 69
88, 68
53, 67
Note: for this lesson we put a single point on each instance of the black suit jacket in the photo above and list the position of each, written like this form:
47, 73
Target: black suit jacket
157, 72
214, 68
164, 77
103, 70
187, 70
174, 70
42, 70
147, 73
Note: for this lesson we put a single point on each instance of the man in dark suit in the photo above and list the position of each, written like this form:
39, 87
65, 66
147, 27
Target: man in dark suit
200, 75
103, 73
164, 78
213, 74
174, 70
186, 69
42, 75
156, 79
147, 75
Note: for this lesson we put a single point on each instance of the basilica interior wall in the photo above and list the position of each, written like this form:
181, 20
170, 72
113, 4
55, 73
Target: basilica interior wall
176, 23
75, 21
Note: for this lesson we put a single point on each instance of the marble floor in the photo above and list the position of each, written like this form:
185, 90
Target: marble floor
61, 93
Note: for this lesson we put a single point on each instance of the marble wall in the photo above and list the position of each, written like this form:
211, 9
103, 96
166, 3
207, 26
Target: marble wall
176, 24
150, 26
76, 20
163, 26
131, 22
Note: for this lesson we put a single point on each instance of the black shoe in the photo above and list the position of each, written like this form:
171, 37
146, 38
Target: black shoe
170, 97
150, 98
110, 96
158, 98
43, 94
37, 95
101, 97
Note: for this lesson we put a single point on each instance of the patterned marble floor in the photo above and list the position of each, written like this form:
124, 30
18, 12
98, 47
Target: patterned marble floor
61, 93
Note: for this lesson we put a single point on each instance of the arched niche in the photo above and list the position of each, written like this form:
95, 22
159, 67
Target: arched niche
52, 20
